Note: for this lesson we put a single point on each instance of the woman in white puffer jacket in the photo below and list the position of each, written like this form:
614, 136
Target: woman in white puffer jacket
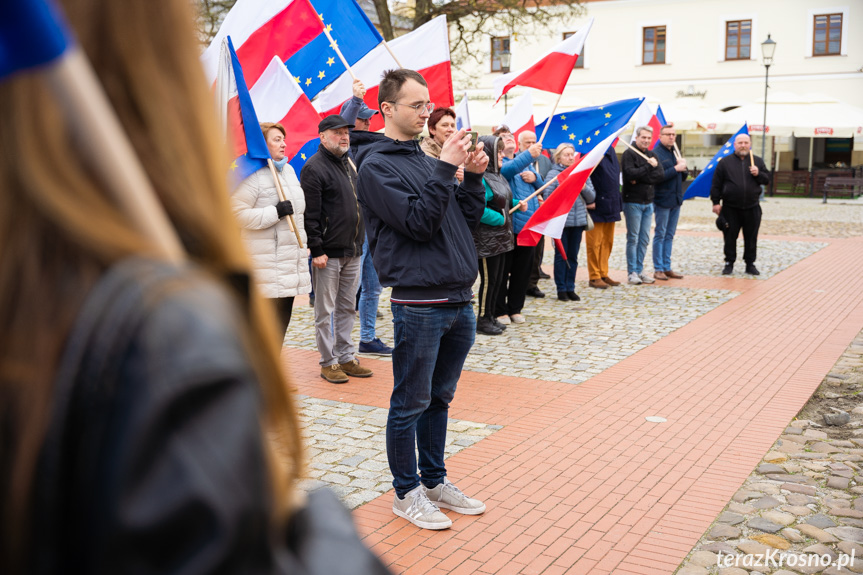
281, 267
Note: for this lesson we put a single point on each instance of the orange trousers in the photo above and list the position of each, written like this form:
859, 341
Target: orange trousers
599, 242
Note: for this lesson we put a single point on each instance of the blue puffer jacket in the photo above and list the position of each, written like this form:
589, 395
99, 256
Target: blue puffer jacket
577, 216
521, 189
606, 182
419, 222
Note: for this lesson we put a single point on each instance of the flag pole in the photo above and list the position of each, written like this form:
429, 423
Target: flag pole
111, 154
533, 195
393, 54
677, 151
291, 224
548, 122
636, 150
335, 47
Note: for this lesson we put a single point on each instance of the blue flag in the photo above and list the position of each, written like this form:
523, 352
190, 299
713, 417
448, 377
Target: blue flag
250, 147
32, 33
317, 65
700, 187
306, 152
584, 127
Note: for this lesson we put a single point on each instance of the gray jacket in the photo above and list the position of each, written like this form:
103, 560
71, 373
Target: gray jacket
577, 216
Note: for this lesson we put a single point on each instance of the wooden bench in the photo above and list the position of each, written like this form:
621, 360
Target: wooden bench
843, 186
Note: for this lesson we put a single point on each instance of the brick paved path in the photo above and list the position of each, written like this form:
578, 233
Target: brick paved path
577, 480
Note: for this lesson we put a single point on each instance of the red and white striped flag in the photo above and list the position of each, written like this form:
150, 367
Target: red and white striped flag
550, 218
278, 98
261, 29
551, 71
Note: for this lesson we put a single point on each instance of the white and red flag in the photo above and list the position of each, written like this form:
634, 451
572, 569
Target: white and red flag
645, 117
278, 98
551, 72
550, 218
520, 116
425, 50
261, 29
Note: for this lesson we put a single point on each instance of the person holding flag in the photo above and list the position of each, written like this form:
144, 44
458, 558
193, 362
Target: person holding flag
668, 197
279, 262
566, 264
608, 205
736, 186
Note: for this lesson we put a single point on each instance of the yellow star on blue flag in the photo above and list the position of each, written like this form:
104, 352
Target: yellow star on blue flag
599, 122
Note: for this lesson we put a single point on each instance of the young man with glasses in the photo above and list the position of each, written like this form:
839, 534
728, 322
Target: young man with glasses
420, 220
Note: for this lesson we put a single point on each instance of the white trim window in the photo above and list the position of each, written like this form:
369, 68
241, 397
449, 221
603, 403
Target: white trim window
827, 32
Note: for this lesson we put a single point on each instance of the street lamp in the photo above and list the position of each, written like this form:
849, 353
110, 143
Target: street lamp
505, 61
768, 47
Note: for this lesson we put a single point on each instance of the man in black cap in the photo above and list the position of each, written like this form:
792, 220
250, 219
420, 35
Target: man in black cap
334, 225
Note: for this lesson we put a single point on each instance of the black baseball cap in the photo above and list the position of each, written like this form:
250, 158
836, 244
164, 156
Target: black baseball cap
333, 122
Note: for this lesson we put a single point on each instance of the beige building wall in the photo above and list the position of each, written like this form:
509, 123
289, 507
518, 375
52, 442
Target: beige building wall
695, 70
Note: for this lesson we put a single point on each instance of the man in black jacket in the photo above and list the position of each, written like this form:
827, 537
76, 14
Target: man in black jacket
420, 221
667, 201
640, 170
334, 226
737, 184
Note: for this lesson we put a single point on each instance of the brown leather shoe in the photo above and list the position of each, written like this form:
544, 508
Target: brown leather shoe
599, 284
354, 369
334, 374
673, 275
660, 276
610, 282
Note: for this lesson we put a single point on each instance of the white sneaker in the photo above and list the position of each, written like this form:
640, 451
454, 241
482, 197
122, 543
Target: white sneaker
417, 509
504, 319
646, 278
448, 496
634, 279
517, 318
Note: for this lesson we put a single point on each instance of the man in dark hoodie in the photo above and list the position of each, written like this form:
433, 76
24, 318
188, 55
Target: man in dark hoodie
420, 220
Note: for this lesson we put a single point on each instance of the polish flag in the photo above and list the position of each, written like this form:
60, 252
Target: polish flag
645, 117
261, 29
551, 72
425, 50
278, 98
520, 116
550, 218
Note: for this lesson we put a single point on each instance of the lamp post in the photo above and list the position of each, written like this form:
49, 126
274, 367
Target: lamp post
505, 61
768, 47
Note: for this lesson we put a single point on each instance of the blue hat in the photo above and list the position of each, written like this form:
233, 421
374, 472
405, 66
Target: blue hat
365, 112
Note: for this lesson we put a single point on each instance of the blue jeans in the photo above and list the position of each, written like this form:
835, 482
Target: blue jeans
663, 237
564, 277
371, 293
431, 344
638, 218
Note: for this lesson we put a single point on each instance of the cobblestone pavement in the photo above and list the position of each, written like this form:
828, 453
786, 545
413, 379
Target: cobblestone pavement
346, 447
804, 499
787, 217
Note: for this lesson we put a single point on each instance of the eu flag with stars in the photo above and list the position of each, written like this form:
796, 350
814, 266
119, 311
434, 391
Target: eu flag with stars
317, 65
584, 127
306, 152
700, 186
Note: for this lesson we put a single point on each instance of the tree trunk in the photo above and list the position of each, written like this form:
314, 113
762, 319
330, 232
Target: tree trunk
386, 22
422, 12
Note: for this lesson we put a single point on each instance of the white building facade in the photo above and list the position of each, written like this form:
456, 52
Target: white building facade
693, 57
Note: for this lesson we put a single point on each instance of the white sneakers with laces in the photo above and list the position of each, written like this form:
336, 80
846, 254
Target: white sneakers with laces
421, 506
634, 279
417, 509
448, 496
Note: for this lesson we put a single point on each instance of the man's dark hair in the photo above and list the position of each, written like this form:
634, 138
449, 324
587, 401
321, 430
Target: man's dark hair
437, 115
502, 129
666, 127
392, 82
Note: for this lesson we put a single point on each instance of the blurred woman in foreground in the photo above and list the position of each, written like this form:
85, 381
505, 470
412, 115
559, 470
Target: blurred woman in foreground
135, 396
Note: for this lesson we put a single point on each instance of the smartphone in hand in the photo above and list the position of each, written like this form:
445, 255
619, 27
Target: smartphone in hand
473, 137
